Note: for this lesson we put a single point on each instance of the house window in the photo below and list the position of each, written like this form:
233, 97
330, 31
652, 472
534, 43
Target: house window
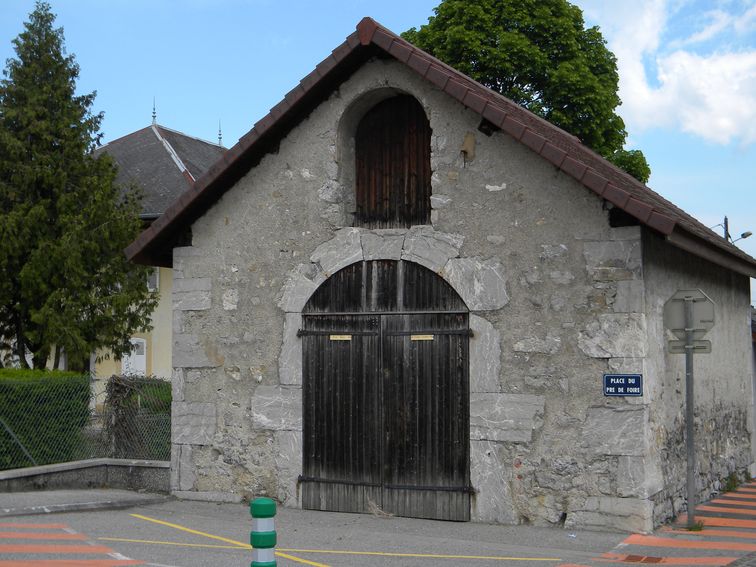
153, 279
393, 176
135, 363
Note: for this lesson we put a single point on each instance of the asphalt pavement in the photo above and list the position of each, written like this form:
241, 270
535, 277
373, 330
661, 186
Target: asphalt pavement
114, 527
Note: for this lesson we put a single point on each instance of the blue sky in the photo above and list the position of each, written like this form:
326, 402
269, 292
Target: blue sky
687, 75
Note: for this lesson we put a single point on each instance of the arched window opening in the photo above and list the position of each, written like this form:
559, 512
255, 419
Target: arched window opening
393, 175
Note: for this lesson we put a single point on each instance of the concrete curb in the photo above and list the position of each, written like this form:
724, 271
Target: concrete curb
81, 506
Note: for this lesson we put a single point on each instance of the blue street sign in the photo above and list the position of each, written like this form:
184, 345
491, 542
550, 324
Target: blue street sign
623, 384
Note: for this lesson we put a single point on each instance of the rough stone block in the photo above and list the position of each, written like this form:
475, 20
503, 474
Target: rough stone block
230, 299
429, 248
277, 408
290, 359
549, 345
193, 423
331, 192
185, 285
191, 300
302, 282
485, 356
489, 477
637, 477
613, 260
480, 283
186, 476
626, 365
505, 417
177, 385
616, 431
615, 336
288, 460
630, 297
188, 352
379, 246
342, 250
440, 201
608, 513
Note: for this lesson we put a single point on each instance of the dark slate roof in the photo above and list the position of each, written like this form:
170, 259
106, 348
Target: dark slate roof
562, 150
163, 162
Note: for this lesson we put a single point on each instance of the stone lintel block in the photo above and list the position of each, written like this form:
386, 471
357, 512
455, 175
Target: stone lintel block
290, 359
193, 423
381, 246
616, 431
189, 352
427, 247
615, 335
505, 417
276, 408
490, 478
609, 513
485, 356
630, 297
343, 249
302, 282
480, 283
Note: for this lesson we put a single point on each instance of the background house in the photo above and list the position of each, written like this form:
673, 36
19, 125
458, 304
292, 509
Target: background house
402, 290
163, 164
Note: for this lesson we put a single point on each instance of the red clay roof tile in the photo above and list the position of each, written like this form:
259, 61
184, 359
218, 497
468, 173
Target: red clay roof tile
553, 154
532, 140
437, 76
573, 167
615, 195
513, 127
594, 181
475, 102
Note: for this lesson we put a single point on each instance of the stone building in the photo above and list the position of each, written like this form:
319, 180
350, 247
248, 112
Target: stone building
400, 290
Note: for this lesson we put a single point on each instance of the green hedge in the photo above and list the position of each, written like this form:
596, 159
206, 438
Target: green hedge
46, 411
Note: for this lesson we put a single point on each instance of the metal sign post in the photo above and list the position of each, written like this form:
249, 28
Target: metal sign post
689, 314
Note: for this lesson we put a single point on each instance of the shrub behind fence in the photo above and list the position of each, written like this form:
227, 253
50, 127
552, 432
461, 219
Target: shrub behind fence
52, 417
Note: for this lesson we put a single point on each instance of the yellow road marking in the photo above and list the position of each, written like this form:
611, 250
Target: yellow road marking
177, 543
421, 555
280, 551
223, 539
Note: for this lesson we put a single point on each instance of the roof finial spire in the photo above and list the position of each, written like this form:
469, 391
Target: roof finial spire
220, 135
154, 113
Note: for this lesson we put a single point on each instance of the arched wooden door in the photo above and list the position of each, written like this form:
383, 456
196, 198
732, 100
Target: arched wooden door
386, 394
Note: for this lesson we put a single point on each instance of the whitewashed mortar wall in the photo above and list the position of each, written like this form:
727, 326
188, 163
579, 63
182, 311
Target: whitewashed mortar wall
557, 299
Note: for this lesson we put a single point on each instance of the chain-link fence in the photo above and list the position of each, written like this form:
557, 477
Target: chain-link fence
57, 419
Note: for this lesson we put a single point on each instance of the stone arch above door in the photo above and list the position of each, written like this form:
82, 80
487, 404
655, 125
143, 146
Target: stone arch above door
481, 284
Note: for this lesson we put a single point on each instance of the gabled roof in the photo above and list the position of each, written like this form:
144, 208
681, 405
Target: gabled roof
556, 146
162, 162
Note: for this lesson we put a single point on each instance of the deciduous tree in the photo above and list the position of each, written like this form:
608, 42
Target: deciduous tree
63, 222
539, 54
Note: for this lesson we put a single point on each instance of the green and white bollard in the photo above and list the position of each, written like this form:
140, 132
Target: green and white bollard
263, 536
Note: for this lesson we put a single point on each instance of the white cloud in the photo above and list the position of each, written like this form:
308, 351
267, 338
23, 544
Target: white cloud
710, 95
747, 21
719, 22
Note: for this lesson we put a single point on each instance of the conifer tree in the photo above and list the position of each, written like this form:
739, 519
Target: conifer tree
63, 222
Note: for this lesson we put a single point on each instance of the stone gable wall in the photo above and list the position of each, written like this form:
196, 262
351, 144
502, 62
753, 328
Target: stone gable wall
556, 297
722, 379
